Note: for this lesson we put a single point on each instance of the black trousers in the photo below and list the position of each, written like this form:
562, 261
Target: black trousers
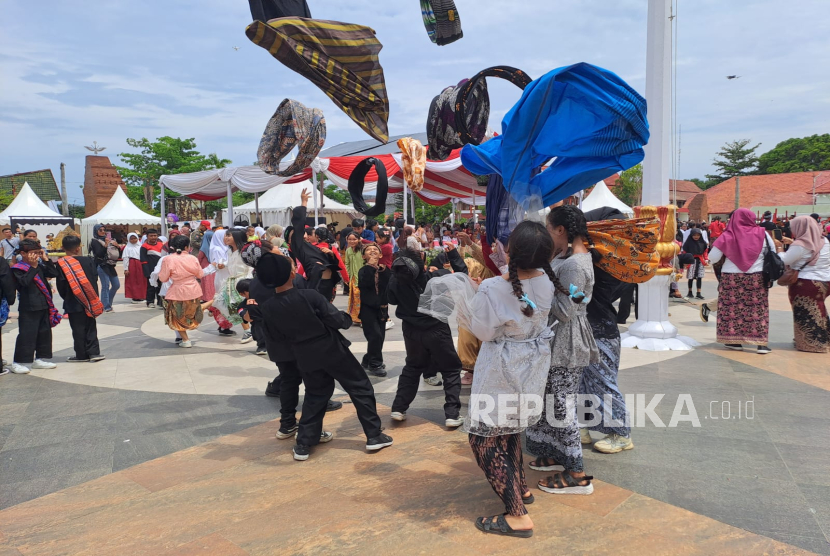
429, 350
289, 384
34, 338
374, 329
626, 300
319, 386
153, 294
85, 335
258, 332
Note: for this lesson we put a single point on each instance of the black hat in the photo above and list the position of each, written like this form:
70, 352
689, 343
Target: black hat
273, 270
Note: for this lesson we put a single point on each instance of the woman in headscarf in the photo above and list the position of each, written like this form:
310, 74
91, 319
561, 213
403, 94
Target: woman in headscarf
135, 285
234, 269
809, 255
697, 247
208, 288
218, 254
743, 297
274, 235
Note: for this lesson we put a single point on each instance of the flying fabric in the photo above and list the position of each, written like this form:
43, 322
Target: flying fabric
340, 58
292, 124
442, 21
357, 181
627, 248
413, 162
592, 121
263, 10
459, 114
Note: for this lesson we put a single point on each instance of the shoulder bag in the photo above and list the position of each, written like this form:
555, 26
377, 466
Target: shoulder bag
773, 265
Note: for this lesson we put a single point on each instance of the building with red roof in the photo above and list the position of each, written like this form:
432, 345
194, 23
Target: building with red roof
786, 193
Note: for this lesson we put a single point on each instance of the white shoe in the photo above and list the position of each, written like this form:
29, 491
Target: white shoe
41, 364
187, 344
19, 369
247, 337
151, 305
613, 443
137, 302
398, 416
433, 381
454, 423
390, 324
585, 436
325, 436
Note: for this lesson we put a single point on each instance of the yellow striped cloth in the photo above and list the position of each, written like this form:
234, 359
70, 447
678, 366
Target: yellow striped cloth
340, 58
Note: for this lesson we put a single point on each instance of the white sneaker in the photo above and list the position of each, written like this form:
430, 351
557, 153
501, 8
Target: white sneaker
433, 381
454, 423
613, 443
247, 337
19, 369
585, 436
390, 324
187, 344
151, 305
137, 302
41, 364
398, 416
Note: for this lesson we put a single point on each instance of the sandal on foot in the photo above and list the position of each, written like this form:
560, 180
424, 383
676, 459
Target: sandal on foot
528, 501
539, 465
499, 526
565, 483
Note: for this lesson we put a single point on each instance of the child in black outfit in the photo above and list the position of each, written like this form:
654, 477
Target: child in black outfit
373, 282
8, 293
37, 311
428, 341
302, 329
78, 286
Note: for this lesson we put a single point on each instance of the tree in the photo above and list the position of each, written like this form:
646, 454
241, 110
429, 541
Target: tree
629, 188
736, 159
5, 200
797, 155
336, 194
704, 184
165, 155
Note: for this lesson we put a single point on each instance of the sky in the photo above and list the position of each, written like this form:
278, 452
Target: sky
76, 72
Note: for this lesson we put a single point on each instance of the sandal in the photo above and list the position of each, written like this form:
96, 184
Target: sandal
539, 465
528, 501
565, 483
499, 526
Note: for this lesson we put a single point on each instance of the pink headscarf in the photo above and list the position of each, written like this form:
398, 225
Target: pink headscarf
743, 239
807, 235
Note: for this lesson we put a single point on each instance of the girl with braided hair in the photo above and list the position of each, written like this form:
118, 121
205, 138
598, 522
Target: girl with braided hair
510, 315
372, 282
555, 439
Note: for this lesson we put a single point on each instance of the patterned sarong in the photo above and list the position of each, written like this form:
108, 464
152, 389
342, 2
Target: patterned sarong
340, 58
627, 248
81, 286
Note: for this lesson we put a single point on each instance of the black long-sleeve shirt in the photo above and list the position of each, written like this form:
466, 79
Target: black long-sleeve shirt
99, 255
149, 259
407, 294
313, 260
369, 297
7, 287
70, 302
302, 326
31, 298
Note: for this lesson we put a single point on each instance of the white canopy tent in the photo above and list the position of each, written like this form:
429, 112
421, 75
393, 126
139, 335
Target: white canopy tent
119, 210
601, 196
275, 206
27, 203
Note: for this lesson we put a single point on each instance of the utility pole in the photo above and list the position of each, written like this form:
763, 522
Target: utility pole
65, 203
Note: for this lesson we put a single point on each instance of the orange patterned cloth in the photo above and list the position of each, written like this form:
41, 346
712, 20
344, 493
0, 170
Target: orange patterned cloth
627, 248
413, 161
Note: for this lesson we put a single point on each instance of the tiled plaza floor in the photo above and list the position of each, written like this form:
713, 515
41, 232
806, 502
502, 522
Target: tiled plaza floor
159, 450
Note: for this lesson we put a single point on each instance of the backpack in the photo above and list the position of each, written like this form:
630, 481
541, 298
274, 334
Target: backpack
113, 253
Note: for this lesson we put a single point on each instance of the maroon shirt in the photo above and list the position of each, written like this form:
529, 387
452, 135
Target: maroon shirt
386, 251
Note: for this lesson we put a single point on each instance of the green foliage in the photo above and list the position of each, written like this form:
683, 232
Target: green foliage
165, 155
704, 184
797, 155
431, 214
5, 200
737, 158
629, 188
335, 193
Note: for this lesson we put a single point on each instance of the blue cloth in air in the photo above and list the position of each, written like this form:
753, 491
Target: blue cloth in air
589, 119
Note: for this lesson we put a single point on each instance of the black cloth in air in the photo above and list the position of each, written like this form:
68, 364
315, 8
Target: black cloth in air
263, 10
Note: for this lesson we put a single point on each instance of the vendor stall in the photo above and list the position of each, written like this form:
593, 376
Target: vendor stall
119, 212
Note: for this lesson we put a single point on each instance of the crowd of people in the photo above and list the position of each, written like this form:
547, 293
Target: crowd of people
541, 319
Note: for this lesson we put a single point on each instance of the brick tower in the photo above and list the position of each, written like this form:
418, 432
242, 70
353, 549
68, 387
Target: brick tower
100, 180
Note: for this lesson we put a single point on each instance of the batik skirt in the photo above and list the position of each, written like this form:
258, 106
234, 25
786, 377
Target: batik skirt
743, 309
354, 299
812, 327
599, 380
182, 316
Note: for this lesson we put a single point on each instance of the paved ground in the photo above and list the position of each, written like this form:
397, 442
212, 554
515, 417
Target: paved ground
222, 485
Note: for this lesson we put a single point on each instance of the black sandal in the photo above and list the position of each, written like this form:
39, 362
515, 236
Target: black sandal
529, 500
538, 465
499, 526
565, 483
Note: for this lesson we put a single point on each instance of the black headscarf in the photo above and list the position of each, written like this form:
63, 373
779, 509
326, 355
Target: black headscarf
693, 247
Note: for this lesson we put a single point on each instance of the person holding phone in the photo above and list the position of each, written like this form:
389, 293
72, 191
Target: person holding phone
105, 252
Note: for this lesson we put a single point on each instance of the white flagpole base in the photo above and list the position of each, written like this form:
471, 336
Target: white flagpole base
652, 331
